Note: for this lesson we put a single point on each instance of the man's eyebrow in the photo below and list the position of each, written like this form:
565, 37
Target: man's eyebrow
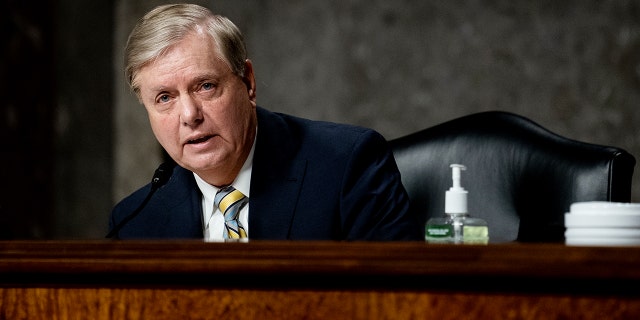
160, 88
207, 76
197, 79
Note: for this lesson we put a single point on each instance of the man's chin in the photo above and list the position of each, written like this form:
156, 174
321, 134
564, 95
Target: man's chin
202, 165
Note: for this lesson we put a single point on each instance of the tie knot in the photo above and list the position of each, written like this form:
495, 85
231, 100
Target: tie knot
230, 201
227, 197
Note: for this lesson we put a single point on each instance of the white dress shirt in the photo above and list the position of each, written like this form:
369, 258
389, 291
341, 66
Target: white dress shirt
213, 220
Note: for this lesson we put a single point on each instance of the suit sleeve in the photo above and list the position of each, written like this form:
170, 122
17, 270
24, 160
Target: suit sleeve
374, 201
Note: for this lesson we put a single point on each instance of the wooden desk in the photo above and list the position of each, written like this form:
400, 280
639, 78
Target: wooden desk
315, 280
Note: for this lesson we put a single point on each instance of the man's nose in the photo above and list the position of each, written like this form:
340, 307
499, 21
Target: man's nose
190, 111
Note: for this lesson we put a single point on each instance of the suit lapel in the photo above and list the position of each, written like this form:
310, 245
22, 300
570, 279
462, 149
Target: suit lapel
276, 178
180, 203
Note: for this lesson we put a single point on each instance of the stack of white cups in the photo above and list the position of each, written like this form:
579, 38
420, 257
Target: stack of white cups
602, 223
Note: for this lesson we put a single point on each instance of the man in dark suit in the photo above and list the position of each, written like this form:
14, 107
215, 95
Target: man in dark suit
287, 177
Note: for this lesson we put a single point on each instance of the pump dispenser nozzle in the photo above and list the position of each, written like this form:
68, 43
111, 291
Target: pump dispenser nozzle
455, 200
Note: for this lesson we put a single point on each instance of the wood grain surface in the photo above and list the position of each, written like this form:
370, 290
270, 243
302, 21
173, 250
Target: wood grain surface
315, 280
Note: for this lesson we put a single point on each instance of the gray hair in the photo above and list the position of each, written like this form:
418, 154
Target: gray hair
166, 25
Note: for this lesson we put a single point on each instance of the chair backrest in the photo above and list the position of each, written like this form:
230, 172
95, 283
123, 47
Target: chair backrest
521, 177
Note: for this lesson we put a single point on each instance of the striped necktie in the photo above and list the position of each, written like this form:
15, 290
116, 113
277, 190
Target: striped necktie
230, 201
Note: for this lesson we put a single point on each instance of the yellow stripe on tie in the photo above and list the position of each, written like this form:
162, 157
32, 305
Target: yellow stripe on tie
229, 199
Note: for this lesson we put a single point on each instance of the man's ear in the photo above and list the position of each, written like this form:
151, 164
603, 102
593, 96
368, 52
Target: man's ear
249, 79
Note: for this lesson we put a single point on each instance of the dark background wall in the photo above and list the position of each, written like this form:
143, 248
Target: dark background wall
57, 75
77, 140
26, 73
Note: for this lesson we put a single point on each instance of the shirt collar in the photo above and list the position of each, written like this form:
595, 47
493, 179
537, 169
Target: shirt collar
242, 182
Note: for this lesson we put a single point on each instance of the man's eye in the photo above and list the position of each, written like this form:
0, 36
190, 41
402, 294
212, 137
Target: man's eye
207, 86
163, 98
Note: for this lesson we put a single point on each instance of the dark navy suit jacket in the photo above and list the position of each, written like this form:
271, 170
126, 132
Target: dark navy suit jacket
311, 180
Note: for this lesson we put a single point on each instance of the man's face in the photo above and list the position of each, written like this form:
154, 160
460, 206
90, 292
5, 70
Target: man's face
200, 112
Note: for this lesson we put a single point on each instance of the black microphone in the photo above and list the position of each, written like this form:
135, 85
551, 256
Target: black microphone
160, 177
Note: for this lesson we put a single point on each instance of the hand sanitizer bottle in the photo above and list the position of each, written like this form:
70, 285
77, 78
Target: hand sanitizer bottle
457, 226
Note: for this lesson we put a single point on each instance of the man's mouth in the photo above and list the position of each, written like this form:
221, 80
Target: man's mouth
199, 140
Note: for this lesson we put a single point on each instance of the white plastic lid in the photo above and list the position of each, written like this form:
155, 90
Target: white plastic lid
605, 207
455, 199
601, 220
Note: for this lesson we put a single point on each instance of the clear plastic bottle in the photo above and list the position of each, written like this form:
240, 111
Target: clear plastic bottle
457, 226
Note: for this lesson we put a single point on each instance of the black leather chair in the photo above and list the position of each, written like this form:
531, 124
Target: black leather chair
521, 178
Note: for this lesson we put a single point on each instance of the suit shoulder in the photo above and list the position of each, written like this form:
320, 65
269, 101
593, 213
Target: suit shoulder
298, 126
